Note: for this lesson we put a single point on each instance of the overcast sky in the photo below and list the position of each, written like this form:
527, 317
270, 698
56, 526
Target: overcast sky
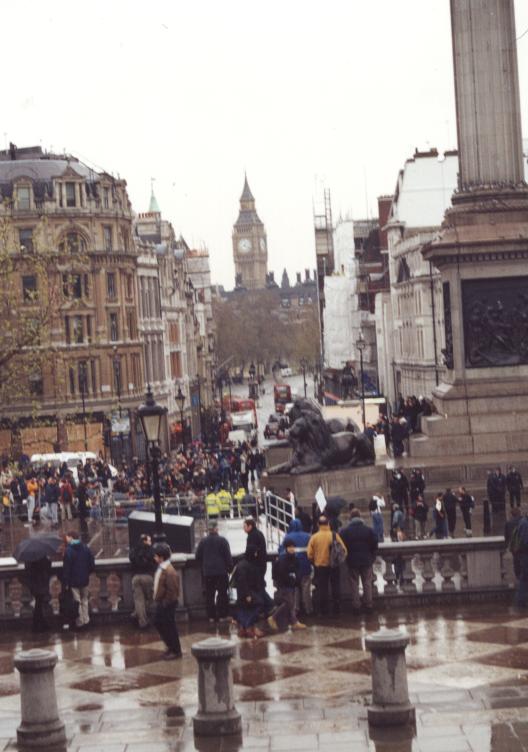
301, 94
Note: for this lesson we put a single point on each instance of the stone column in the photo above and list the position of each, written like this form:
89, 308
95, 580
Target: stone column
390, 694
217, 715
487, 93
40, 725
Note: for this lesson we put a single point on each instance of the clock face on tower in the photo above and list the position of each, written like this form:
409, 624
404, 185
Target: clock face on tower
244, 245
262, 244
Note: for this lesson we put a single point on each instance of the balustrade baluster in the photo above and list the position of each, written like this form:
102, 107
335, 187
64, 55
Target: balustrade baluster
447, 573
408, 575
428, 573
463, 571
390, 577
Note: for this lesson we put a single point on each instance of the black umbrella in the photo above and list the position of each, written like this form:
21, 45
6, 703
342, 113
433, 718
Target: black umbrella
334, 505
37, 547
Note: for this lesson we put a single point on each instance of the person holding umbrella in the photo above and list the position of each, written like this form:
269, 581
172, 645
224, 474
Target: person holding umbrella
35, 553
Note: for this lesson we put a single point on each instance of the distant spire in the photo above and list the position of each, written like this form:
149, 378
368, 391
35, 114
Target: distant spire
246, 193
154, 206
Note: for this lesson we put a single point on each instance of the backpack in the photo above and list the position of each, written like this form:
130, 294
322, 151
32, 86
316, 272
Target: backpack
337, 552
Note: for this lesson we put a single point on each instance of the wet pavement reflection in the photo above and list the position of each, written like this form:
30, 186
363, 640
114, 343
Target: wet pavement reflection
467, 670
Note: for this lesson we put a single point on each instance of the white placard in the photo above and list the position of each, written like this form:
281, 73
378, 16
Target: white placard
320, 499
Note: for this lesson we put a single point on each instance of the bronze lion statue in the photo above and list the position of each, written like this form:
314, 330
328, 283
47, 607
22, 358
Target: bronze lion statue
320, 445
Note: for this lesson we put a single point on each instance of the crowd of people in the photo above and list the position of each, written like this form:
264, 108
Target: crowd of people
53, 494
406, 419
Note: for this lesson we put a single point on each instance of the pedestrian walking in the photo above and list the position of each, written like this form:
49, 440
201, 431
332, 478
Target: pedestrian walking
496, 488
326, 577
439, 518
397, 524
51, 499
300, 539
39, 574
467, 505
450, 507
416, 484
214, 556
286, 578
362, 545
421, 510
143, 568
33, 492
250, 606
166, 594
256, 539
66, 499
78, 564
376, 507
514, 484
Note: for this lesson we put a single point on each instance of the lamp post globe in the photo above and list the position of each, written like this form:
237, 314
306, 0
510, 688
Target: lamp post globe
151, 416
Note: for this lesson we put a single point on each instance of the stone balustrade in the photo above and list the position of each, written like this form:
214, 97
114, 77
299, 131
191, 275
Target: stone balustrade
421, 571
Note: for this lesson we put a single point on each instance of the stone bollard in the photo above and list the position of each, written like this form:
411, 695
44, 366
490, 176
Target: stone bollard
390, 694
40, 723
217, 715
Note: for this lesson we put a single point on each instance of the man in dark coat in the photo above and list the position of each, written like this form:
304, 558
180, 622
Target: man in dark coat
286, 577
214, 555
249, 604
514, 485
78, 564
450, 506
256, 540
144, 567
496, 488
362, 545
39, 573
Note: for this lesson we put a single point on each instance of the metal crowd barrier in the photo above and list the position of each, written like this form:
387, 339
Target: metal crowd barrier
279, 513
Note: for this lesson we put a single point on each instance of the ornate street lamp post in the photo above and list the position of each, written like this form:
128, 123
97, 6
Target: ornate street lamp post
180, 399
361, 345
304, 363
151, 415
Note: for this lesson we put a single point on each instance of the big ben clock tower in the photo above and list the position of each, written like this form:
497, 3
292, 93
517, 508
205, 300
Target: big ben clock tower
250, 249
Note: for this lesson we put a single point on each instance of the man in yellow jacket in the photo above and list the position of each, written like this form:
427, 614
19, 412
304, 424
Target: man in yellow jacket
325, 576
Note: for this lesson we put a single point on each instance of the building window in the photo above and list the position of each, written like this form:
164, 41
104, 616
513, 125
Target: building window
82, 373
129, 286
89, 328
25, 238
175, 359
114, 328
29, 288
93, 370
23, 197
36, 383
86, 285
78, 329
67, 329
111, 288
76, 286
70, 194
106, 198
116, 365
73, 243
107, 237
71, 373
124, 235
131, 325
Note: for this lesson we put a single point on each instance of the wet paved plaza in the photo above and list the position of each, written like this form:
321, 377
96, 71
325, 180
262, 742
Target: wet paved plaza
468, 676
